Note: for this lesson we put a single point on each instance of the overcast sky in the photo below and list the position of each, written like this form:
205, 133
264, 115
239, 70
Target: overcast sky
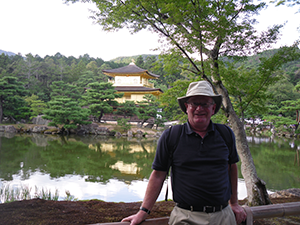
45, 27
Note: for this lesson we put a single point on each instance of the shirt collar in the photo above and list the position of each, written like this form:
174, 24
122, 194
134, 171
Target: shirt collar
189, 130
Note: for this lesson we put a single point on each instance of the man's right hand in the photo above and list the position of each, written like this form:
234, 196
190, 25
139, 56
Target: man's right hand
136, 218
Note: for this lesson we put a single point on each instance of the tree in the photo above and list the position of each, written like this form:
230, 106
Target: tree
92, 66
85, 79
140, 62
127, 109
36, 105
289, 3
280, 92
100, 98
248, 87
77, 70
4, 62
147, 109
64, 108
206, 28
292, 106
169, 101
11, 92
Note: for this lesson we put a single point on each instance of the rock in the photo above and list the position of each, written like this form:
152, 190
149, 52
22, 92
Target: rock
102, 131
118, 134
149, 125
48, 132
10, 129
40, 121
39, 129
293, 192
92, 128
139, 133
81, 132
129, 133
2, 128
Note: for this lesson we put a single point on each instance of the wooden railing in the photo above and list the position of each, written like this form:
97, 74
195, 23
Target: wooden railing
255, 212
268, 211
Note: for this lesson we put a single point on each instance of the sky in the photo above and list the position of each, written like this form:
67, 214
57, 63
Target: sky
45, 27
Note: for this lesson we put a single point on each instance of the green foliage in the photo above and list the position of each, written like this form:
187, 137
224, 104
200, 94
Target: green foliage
150, 108
8, 194
124, 124
147, 108
36, 105
280, 122
46, 194
281, 91
140, 62
64, 108
24, 113
11, 92
248, 87
126, 109
169, 101
289, 3
100, 98
126, 60
69, 197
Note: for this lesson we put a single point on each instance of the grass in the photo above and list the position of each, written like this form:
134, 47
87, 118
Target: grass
11, 194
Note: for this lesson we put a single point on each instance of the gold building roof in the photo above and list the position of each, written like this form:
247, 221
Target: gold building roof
131, 69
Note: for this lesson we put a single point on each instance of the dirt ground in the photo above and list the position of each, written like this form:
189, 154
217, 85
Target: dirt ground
38, 211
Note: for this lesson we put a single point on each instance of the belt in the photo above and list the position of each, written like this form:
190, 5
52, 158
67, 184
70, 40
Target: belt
207, 208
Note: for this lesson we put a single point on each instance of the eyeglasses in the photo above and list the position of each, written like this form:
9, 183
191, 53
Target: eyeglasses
202, 104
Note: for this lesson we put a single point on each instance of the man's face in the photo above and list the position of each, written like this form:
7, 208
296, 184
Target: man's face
199, 110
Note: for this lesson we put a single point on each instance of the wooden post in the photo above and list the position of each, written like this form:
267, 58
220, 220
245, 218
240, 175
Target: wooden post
249, 219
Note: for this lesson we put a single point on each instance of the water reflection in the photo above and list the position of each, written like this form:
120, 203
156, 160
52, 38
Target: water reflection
117, 169
276, 161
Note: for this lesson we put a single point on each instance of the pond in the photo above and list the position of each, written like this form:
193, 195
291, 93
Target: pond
117, 169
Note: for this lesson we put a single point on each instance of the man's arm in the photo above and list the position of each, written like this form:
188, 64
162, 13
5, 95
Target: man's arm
154, 186
240, 214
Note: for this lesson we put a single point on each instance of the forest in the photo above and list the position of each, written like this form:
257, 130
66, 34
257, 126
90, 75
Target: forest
69, 91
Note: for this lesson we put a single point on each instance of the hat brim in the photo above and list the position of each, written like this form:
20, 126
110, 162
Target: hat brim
217, 99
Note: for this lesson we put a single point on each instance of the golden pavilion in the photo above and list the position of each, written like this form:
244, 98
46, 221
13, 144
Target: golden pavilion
133, 82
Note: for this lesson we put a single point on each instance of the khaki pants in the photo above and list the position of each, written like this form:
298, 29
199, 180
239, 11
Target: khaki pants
186, 217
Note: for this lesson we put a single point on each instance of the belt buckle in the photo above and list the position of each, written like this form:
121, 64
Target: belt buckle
208, 206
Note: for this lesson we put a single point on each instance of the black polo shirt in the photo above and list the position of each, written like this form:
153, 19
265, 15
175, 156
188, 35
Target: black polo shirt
200, 173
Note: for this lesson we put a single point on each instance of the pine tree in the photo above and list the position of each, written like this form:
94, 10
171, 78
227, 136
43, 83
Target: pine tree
101, 98
64, 108
11, 92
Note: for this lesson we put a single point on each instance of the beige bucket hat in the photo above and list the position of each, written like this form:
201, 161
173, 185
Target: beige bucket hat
200, 88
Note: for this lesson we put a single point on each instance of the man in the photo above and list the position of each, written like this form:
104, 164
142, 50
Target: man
204, 171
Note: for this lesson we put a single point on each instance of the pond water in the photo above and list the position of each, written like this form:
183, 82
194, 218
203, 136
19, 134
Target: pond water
117, 169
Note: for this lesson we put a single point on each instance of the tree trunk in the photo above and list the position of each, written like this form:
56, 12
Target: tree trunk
100, 116
256, 188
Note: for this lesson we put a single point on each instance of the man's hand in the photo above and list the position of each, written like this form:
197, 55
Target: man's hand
136, 218
239, 212
154, 186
